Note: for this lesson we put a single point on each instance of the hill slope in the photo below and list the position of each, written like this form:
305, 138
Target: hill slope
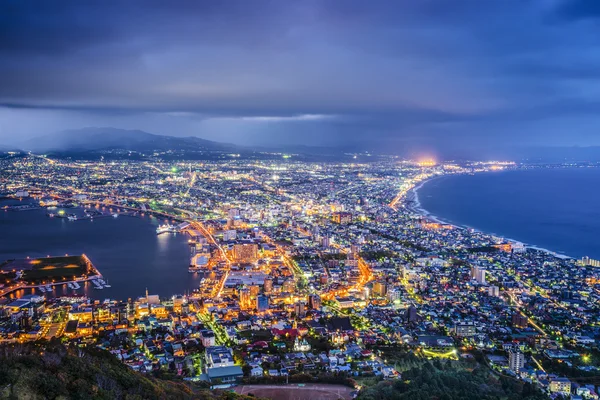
49, 371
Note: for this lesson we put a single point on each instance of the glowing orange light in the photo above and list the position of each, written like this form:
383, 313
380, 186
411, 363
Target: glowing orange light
426, 162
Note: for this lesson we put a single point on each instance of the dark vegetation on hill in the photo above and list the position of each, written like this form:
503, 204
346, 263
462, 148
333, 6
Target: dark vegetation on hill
443, 381
55, 371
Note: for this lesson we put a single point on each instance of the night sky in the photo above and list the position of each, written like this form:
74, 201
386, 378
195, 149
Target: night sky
427, 74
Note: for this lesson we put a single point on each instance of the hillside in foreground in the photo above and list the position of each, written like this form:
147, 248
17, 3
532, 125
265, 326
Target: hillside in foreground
54, 371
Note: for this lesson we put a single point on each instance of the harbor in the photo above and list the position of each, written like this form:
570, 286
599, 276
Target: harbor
126, 249
204, 257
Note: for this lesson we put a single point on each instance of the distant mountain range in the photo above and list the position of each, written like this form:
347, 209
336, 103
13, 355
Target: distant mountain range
96, 139
117, 143
114, 143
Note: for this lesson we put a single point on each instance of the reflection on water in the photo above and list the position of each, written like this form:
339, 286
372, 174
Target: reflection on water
126, 250
163, 241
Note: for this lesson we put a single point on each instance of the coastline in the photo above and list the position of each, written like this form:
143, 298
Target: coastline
412, 204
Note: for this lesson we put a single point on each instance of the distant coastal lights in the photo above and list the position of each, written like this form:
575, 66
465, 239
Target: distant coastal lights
426, 162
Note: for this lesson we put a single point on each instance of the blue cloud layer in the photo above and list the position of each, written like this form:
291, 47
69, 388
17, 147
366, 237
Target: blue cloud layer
428, 74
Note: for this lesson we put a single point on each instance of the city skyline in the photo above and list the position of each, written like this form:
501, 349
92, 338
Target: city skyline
317, 199
258, 274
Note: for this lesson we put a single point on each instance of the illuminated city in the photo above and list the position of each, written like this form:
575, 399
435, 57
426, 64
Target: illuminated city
305, 267
299, 200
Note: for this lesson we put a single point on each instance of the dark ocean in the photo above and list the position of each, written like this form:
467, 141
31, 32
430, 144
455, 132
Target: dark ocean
555, 209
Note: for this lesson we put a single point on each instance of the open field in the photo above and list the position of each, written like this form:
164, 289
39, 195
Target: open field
307, 391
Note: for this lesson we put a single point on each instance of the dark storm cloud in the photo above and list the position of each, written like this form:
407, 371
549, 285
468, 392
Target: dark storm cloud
579, 9
433, 72
64, 26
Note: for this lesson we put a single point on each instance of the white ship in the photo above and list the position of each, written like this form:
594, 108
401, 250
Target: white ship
165, 228
74, 299
72, 217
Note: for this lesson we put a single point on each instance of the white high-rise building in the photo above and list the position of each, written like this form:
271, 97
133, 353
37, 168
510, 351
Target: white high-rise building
585, 261
516, 361
229, 235
478, 274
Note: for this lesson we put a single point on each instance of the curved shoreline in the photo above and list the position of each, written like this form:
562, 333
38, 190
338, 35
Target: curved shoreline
416, 208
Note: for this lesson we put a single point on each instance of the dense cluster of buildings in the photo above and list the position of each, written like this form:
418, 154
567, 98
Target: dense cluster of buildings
309, 267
